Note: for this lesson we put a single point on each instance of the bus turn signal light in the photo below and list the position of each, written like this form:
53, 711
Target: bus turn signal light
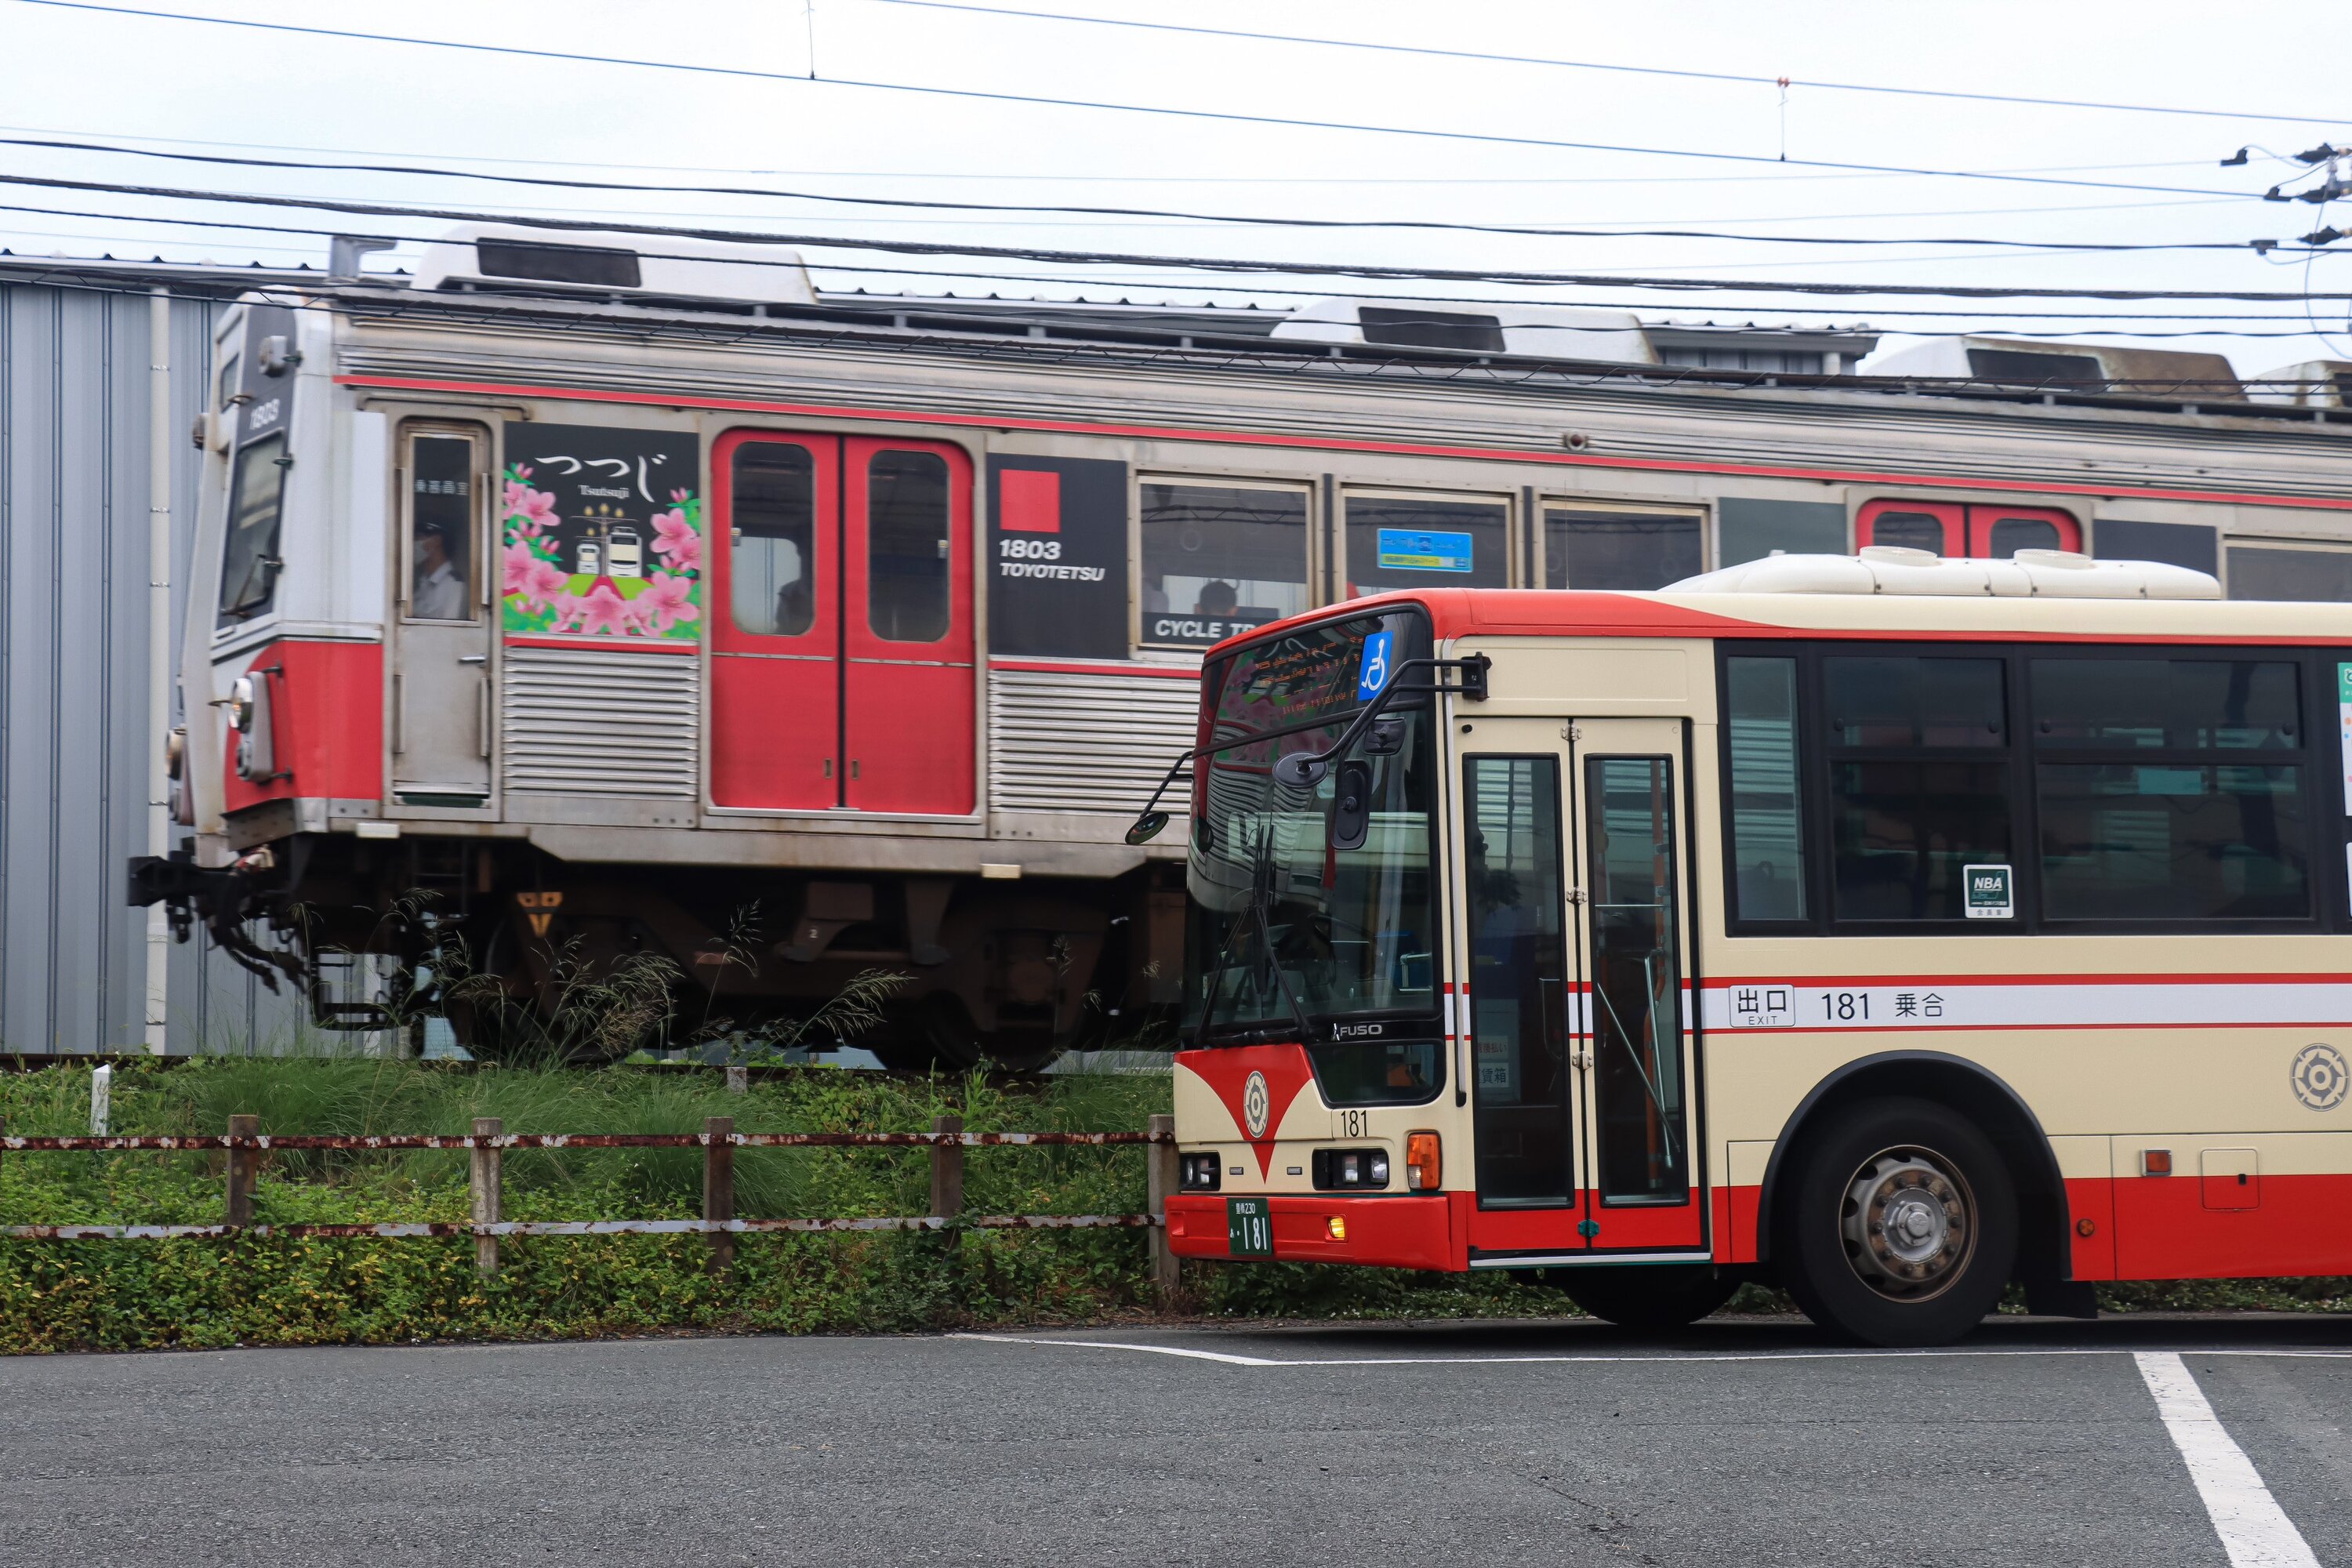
1423, 1168
1335, 1227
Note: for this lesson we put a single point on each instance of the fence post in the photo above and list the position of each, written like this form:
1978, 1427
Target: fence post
947, 1170
739, 1080
718, 1187
1160, 1156
240, 1169
487, 1172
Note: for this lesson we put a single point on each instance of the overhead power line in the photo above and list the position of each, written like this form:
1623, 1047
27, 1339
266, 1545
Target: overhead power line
768, 193
1229, 116
1186, 263
1479, 55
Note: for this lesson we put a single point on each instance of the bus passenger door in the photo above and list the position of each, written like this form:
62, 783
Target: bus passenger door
1518, 986
1636, 1052
775, 637
909, 687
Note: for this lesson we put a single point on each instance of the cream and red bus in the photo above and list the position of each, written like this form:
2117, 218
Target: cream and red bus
1891, 928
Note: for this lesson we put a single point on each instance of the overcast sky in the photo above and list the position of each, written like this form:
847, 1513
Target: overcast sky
194, 87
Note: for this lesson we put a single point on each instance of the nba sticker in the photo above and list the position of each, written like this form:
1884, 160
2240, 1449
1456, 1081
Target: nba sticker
1989, 892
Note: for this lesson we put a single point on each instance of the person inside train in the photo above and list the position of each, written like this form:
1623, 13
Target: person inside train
1217, 600
439, 590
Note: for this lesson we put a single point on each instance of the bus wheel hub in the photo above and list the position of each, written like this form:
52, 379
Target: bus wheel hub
1906, 1223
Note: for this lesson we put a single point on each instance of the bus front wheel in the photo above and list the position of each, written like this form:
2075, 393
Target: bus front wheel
1900, 1226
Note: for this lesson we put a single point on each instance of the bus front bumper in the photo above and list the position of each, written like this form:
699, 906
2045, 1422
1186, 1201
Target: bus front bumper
1386, 1232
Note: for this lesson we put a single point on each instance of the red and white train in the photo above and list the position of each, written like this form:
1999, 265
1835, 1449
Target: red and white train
609, 589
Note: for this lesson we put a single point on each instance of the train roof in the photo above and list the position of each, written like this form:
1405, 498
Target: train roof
1244, 338
1457, 614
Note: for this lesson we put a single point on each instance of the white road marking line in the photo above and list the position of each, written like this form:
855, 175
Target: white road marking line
1231, 1360
2254, 1531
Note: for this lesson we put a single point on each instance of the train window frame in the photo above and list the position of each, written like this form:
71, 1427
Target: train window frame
1306, 490
403, 542
943, 579
1539, 530
1515, 526
2326, 825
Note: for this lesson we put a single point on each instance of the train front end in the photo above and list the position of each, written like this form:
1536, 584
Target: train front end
1313, 1111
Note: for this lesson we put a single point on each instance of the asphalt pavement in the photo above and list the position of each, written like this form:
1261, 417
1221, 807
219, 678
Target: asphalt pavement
2136, 1442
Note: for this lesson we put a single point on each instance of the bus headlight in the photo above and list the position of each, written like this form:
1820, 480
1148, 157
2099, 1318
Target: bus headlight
1344, 1170
1425, 1171
1197, 1173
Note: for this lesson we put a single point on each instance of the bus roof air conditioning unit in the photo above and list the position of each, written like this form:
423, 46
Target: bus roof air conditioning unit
1893, 569
497, 258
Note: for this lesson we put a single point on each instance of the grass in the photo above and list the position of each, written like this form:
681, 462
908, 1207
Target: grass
195, 1293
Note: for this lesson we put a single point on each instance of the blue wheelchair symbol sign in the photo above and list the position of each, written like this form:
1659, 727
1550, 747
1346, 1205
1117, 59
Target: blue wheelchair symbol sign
1375, 672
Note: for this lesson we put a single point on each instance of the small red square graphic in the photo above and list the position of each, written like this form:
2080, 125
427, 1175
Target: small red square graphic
1029, 501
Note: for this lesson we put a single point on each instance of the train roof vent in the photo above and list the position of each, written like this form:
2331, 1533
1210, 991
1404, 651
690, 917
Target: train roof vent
2029, 365
1891, 569
493, 256
2312, 383
1547, 332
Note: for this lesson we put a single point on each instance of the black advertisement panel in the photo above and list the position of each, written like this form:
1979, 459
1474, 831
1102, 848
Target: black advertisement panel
1057, 557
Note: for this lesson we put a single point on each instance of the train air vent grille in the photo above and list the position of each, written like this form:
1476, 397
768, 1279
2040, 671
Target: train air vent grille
600, 721
1063, 741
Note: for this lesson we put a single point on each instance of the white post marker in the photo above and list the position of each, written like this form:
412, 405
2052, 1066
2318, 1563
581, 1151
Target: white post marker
2255, 1531
102, 1099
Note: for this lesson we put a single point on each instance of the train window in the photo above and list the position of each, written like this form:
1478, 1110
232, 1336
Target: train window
441, 505
771, 545
2012, 534
249, 562
1219, 558
1627, 550
1768, 835
2283, 571
1909, 530
906, 546
1426, 542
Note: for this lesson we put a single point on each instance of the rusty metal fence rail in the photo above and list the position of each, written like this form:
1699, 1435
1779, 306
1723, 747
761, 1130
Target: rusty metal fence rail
487, 1144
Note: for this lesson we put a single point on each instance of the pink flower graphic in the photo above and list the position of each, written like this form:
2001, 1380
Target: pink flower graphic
667, 601
675, 537
533, 579
528, 510
601, 610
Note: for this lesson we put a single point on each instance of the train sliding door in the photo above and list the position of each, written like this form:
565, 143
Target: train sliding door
842, 651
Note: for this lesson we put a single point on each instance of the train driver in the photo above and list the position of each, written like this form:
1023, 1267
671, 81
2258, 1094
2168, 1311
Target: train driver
440, 594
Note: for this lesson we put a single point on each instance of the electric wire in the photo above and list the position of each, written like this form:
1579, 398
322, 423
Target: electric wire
1624, 69
1225, 220
1231, 116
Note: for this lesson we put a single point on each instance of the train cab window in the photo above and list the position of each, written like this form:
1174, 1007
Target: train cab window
1625, 551
906, 546
771, 568
441, 509
1919, 783
1426, 542
2170, 789
1220, 559
249, 561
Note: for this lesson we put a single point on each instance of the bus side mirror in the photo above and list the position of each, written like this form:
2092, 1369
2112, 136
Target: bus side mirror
1351, 806
1146, 828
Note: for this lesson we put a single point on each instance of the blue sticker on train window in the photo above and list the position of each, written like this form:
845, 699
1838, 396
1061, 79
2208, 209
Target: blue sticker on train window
1374, 672
1417, 550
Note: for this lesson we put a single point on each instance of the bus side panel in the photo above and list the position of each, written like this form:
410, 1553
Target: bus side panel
2236, 1206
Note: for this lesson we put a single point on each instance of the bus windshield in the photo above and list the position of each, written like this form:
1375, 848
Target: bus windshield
1315, 906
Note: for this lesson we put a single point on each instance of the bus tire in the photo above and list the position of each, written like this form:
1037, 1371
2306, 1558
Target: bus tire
1647, 1299
1900, 1226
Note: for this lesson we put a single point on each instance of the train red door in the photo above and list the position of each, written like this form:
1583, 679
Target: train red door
1937, 526
775, 636
906, 641
1998, 532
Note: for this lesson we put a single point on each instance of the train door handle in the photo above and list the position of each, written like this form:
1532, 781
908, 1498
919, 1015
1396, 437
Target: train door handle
482, 718
473, 659
399, 713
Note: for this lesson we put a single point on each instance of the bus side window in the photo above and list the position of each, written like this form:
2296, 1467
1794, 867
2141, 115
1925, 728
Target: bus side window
1768, 835
1919, 782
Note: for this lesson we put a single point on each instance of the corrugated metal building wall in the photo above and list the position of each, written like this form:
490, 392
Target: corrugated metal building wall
74, 647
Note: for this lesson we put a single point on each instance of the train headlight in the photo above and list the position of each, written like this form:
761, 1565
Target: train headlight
175, 754
1197, 1173
240, 703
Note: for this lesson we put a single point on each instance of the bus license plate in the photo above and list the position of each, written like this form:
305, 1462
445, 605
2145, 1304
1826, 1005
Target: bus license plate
1249, 1227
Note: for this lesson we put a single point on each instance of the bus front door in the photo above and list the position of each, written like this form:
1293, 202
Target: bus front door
1634, 1049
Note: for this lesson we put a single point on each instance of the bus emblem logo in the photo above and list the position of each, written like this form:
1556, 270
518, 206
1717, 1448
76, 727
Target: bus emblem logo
1254, 1106
2319, 1077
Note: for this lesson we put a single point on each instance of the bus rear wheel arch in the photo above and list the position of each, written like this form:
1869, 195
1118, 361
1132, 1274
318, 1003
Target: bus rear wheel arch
1898, 1222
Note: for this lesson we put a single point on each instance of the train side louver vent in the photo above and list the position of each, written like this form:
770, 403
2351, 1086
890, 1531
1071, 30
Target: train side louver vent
1063, 742
598, 721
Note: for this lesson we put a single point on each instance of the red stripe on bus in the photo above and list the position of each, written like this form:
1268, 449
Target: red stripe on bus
1335, 443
